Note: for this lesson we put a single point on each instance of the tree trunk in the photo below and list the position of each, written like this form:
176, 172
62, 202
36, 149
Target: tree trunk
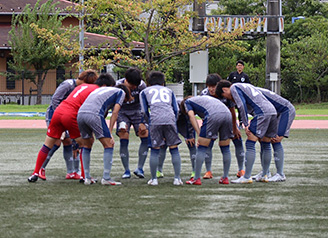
41, 78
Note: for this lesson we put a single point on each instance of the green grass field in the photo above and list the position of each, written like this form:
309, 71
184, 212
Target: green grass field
61, 208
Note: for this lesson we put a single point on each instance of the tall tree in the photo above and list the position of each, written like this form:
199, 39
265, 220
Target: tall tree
35, 55
161, 25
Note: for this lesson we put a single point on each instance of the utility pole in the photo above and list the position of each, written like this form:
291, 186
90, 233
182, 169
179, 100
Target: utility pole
273, 73
81, 37
198, 66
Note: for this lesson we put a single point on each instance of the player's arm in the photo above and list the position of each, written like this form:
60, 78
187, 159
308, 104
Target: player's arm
193, 121
235, 129
241, 104
114, 116
144, 106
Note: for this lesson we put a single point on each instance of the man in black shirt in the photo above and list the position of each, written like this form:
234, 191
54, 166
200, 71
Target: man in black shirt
239, 76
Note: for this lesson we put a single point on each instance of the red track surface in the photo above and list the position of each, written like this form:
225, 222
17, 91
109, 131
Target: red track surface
33, 124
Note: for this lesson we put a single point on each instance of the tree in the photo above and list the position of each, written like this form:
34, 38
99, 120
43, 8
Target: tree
241, 7
161, 25
35, 55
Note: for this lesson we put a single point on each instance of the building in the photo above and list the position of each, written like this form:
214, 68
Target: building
24, 92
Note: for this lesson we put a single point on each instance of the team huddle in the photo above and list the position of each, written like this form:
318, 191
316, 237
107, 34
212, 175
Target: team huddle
79, 108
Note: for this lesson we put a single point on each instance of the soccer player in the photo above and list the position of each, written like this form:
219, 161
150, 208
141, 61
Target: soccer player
211, 82
286, 115
262, 127
61, 93
130, 115
64, 118
91, 119
216, 120
187, 131
162, 120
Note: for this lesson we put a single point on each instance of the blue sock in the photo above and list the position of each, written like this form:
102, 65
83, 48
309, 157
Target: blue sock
124, 153
279, 157
249, 158
68, 156
86, 161
226, 155
192, 154
208, 159
108, 161
143, 151
162, 155
239, 152
153, 162
176, 162
50, 154
200, 157
266, 157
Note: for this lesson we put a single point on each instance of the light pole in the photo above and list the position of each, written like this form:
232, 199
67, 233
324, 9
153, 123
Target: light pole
81, 37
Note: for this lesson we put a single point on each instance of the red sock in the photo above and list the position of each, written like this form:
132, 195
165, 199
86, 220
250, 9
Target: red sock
43, 153
82, 168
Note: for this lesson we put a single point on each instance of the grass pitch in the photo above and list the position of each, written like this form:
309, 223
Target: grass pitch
62, 208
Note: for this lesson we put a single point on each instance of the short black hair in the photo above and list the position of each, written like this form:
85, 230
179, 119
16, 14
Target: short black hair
213, 79
182, 106
156, 78
222, 84
133, 76
240, 62
105, 79
126, 90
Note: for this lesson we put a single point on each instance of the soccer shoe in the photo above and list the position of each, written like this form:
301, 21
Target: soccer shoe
242, 180
73, 176
109, 182
159, 174
89, 181
177, 182
194, 182
192, 174
153, 182
42, 174
139, 173
240, 173
208, 175
33, 178
126, 174
224, 180
277, 178
257, 176
263, 179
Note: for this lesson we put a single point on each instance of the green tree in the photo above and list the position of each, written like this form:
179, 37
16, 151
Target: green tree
33, 54
241, 7
307, 61
161, 25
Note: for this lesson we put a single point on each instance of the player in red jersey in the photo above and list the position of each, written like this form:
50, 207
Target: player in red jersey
64, 118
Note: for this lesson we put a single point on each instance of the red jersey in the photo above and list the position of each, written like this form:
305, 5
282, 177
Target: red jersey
64, 117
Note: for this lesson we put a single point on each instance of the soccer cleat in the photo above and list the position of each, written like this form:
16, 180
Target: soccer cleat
153, 182
257, 176
73, 176
159, 174
177, 182
33, 178
277, 178
139, 173
109, 182
224, 180
240, 173
263, 179
242, 180
126, 174
42, 174
194, 182
208, 175
192, 174
89, 181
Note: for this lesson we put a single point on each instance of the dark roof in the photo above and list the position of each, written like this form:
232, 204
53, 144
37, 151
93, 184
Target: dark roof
91, 39
7, 7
